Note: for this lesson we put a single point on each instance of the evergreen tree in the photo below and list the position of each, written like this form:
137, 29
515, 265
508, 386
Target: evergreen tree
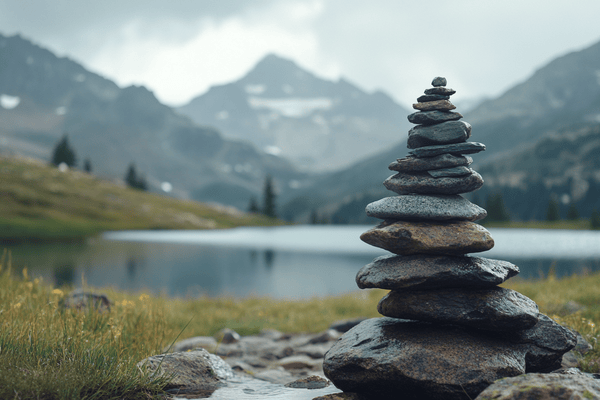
253, 206
133, 180
495, 208
269, 198
87, 166
572, 212
63, 153
552, 212
595, 220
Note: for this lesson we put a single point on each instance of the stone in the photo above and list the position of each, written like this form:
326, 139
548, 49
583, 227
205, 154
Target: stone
494, 308
416, 207
345, 325
415, 164
543, 387
298, 361
439, 81
431, 97
207, 343
439, 134
455, 148
227, 336
450, 172
190, 370
80, 299
310, 382
324, 337
382, 357
440, 90
441, 105
422, 272
424, 183
339, 396
449, 238
433, 117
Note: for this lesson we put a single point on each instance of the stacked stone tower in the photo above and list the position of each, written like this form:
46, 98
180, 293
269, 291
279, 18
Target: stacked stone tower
449, 331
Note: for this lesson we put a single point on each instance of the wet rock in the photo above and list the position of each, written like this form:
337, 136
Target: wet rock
207, 343
299, 362
420, 272
424, 183
440, 90
431, 97
439, 134
346, 324
543, 386
439, 81
455, 148
382, 357
415, 164
227, 336
189, 370
450, 172
82, 300
310, 382
452, 238
414, 207
489, 309
339, 396
441, 105
433, 117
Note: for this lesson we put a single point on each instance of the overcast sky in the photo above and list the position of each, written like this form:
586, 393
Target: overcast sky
178, 49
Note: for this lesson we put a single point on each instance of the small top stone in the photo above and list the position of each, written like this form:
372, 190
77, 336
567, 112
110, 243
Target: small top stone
439, 81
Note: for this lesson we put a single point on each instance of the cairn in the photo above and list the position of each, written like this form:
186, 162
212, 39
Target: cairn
449, 331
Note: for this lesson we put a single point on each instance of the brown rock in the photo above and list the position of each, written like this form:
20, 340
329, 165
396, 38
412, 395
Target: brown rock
406, 238
495, 308
383, 357
310, 382
423, 183
443, 105
421, 272
414, 164
543, 387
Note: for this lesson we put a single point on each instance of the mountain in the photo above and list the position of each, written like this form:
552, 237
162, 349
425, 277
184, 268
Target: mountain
563, 165
43, 97
560, 102
318, 124
562, 93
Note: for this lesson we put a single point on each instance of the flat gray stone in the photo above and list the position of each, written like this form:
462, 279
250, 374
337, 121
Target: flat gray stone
543, 386
439, 81
415, 164
440, 90
423, 272
433, 117
496, 308
456, 148
431, 97
441, 105
439, 134
423, 183
415, 207
383, 357
450, 172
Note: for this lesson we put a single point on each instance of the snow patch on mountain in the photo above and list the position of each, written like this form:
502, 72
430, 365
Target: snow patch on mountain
9, 102
292, 106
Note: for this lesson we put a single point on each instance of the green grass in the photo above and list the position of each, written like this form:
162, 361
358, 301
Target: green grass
40, 203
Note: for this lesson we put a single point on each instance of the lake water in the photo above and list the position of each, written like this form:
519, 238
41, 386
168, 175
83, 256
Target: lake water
281, 262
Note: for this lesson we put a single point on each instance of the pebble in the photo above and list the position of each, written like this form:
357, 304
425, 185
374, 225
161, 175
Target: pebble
426, 272
424, 183
413, 164
433, 117
441, 105
455, 148
439, 134
414, 207
448, 238
439, 81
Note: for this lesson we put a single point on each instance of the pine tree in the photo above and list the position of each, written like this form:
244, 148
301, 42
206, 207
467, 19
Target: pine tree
572, 213
269, 198
595, 220
253, 206
63, 153
133, 180
552, 212
495, 208
87, 166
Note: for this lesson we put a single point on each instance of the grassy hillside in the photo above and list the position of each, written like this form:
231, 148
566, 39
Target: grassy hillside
38, 202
